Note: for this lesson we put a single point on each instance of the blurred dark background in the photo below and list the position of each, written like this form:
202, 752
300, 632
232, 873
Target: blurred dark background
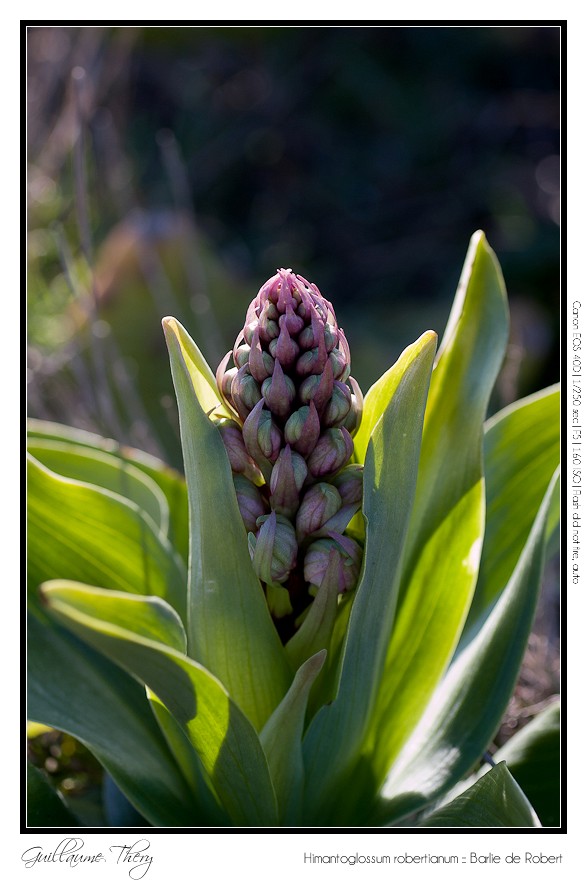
172, 169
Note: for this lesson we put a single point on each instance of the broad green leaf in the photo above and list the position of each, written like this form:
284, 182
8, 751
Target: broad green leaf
522, 449
470, 701
201, 375
105, 471
223, 737
117, 809
335, 735
230, 630
74, 689
44, 805
533, 757
281, 739
149, 616
494, 801
169, 480
444, 540
80, 532
189, 763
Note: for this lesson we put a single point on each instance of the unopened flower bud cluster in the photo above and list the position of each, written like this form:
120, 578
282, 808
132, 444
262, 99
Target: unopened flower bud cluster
295, 409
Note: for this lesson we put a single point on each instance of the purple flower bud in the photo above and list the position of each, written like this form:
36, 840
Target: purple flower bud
349, 483
320, 503
250, 502
303, 429
291, 320
287, 478
318, 558
241, 355
330, 337
262, 438
260, 362
274, 549
340, 367
338, 406
279, 392
224, 379
240, 459
332, 451
245, 391
318, 388
268, 327
282, 347
249, 330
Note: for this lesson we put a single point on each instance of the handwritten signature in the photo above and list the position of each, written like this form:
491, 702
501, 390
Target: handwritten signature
69, 851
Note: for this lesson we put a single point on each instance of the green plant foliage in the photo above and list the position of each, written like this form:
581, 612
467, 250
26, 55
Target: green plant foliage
371, 708
494, 801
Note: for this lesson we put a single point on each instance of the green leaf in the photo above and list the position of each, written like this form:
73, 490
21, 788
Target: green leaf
444, 540
223, 737
149, 616
470, 701
201, 376
316, 630
80, 532
74, 689
44, 805
335, 735
533, 757
281, 739
105, 471
494, 801
169, 480
188, 760
522, 449
230, 630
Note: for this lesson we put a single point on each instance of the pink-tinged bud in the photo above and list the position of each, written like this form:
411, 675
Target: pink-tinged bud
224, 379
349, 483
338, 406
282, 347
268, 326
249, 330
339, 521
303, 429
291, 320
245, 392
330, 337
260, 362
262, 438
312, 361
250, 502
332, 451
241, 355
318, 558
238, 456
318, 388
278, 391
320, 503
313, 334
340, 367
274, 550
287, 479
